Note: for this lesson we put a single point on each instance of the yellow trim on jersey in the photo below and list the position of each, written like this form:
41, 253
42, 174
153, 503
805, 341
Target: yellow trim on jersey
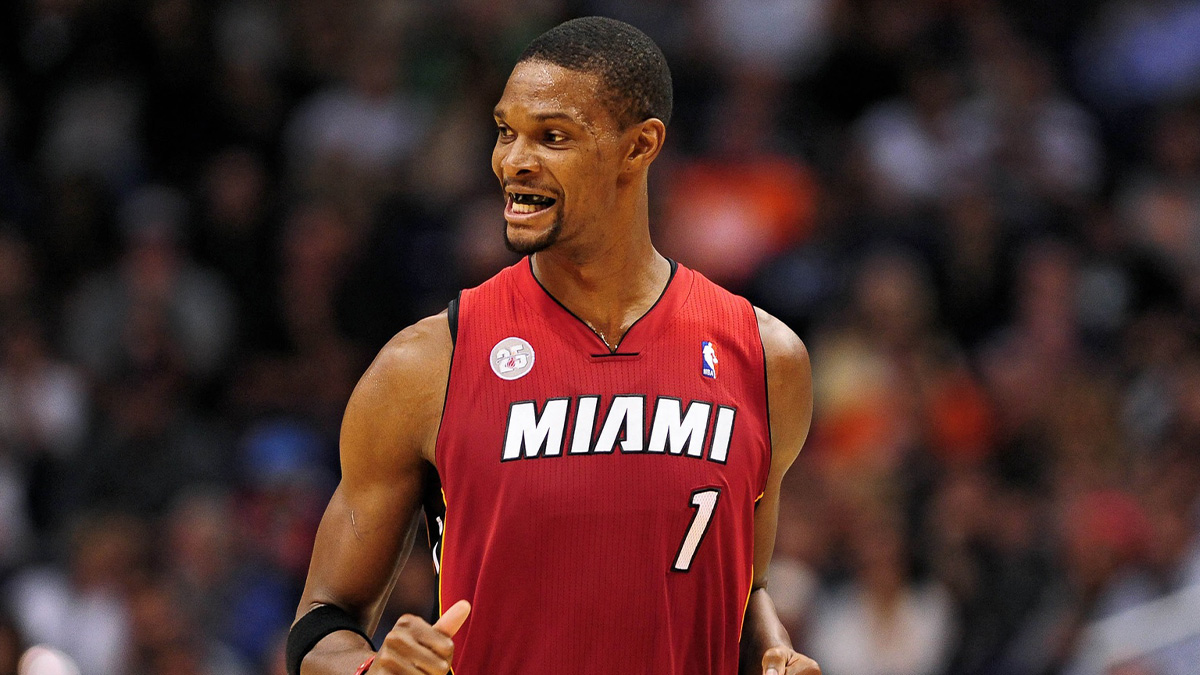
746, 605
442, 552
760, 496
442, 556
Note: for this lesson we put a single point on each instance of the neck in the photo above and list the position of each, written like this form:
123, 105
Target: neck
610, 287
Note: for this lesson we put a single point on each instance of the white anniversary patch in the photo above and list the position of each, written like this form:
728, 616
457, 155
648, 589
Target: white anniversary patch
512, 358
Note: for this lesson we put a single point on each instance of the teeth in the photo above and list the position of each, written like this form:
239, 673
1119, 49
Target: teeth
524, 198
526, 208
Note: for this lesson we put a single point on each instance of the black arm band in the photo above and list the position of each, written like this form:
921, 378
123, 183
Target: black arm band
312, 627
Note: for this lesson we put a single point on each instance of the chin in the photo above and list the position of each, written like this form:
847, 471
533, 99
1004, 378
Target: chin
526, 243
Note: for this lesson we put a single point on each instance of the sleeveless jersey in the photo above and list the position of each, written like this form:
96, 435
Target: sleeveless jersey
599, 507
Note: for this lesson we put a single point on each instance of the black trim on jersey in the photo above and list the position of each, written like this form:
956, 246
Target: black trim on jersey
612, 351
431, 503
691, 521
434, 509
766, 396
452, 317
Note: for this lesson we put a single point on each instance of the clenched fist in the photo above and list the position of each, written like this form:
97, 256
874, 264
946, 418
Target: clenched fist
413, 647
783, 661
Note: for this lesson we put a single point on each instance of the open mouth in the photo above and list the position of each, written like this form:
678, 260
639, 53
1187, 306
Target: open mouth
520, 202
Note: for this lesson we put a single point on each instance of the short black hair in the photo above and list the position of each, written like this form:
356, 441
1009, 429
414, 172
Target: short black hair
631, 67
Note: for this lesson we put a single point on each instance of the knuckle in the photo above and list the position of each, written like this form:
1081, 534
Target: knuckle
387, 662
393, 639
398, 642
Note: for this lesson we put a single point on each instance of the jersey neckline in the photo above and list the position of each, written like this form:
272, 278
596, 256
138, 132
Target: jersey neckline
641, 332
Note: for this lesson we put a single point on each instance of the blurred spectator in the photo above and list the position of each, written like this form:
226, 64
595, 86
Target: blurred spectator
913, 146
45, 414
883, 622
1035, 145
16, 521
44, 404
249, 99
156, 288
19, 289
201, 557
237, 230
285, 492
93, 133
1160, 202
1141, 52
11, 645
15, 198
1104, 532
365, 124
151, 445
779, 36
891, 383
169, 640
977, 256
81, 608
730, 211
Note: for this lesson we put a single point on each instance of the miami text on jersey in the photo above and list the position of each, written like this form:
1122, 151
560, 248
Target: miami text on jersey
541, 431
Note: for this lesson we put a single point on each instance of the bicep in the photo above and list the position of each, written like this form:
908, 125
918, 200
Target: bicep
390, 422
359, 547
789, 397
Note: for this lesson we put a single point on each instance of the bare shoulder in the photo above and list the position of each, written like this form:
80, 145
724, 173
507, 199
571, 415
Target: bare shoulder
415, 352
789, 387
782, 347
392, 417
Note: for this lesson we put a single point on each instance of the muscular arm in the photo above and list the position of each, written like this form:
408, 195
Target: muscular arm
388, 434
789, 393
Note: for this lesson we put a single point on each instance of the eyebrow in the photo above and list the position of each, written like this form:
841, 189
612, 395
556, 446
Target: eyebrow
540, 117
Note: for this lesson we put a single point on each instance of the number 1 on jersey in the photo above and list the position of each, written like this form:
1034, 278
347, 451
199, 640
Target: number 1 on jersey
705, 501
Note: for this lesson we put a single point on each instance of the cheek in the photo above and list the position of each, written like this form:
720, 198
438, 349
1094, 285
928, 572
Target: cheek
497, 157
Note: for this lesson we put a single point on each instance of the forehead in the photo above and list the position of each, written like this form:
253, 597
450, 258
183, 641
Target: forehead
540, 89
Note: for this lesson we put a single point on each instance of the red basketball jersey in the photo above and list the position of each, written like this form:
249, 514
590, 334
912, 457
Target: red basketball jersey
599, 507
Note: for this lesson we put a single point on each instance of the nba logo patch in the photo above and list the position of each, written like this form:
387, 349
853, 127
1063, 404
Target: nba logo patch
708, 360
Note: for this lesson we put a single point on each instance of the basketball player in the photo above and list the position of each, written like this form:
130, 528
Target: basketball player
609, 428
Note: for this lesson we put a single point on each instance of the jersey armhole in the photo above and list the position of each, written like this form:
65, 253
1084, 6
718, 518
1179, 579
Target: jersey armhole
766, 398
452, 318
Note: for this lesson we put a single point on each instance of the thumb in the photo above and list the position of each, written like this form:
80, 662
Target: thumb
775, 661
453, 619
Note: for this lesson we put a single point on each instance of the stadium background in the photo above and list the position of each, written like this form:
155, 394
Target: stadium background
983, 216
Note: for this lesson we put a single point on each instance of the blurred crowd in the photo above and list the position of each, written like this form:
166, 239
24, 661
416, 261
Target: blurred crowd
983, 217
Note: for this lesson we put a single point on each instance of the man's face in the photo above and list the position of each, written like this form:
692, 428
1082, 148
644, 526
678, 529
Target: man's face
557, 155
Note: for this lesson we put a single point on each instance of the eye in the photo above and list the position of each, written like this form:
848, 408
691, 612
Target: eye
555, 137
503, 132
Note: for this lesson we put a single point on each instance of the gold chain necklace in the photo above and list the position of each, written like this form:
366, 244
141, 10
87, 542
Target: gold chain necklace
602, 336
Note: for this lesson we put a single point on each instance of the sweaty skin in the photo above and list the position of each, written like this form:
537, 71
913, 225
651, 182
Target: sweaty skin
593, 253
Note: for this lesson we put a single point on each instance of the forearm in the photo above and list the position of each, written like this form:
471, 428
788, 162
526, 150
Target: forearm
339, 653
761, 631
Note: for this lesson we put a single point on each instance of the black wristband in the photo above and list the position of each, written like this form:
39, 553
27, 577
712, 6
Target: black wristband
312, 627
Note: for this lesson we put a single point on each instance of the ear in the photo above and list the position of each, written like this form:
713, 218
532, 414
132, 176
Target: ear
646, 142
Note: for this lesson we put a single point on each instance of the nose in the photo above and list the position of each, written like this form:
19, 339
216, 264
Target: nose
517, 158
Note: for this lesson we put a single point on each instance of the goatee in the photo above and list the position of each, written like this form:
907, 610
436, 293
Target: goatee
541, 243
